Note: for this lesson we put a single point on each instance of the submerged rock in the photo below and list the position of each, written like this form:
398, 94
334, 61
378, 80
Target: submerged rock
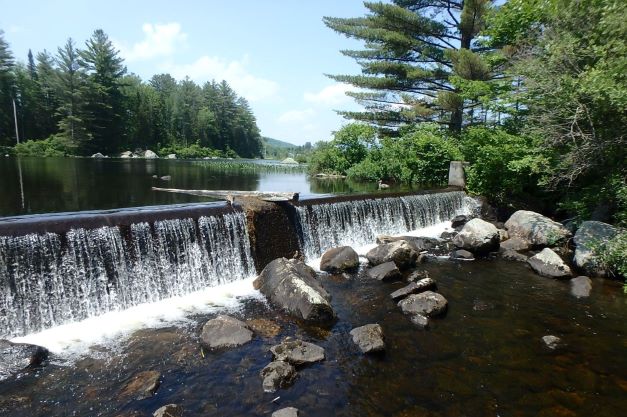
143, 385
459, 221
286, 412
264, 327
400, 252
225, 331
292, 285
591, 235
512, 255
536, 229
369, 338
420, 321
478, 236
277, 374
18, 357
170, 410
462, 254
418, 275
552, 342
343, 258
384, 272
297, 352
581, 286
427, 303
413, 288
549, 264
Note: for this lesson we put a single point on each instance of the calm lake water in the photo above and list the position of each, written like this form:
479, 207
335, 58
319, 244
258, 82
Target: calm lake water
41, 185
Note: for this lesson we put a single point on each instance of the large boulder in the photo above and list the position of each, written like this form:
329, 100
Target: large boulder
18, 357
297, 352
292, 285
148, 154
126, 154
343, 258
536, 229
369, 338
98, 155
478, 236
384, 272
418, 243
169, 410
580, 287
549, 264
400, 252
592, 235
515, 243
427, 304
225, 331
459, 221
413, 288
277, 374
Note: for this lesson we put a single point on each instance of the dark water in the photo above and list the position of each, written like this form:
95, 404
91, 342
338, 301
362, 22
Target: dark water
484, 358
42, 185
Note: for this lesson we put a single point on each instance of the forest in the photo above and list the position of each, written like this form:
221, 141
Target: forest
81, 100
531, 93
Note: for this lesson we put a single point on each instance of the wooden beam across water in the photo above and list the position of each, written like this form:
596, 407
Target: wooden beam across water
229, 195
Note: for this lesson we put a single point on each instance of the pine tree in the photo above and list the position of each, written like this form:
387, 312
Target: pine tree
105, 102
418, 57
49, 102
7, 93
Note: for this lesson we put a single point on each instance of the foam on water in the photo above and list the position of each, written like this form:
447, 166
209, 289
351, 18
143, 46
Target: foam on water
74, 340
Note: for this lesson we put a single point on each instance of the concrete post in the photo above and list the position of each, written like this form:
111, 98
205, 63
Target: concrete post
456, 176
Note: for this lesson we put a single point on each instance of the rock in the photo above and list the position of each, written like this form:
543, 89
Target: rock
515, 243
292, 285
98, 155
290, 161
459, 221
126, 154
413, 288
551, 341
148, 154
170, 410
420, 321
297, 352
166, 178
581, 286
225, 331
462, 254
264, 327
536, 229
503, 234
340, 259
512, 255
478, 236
369, 338
18, 357
591, 235
418, 275
286, 412
399, 252
171, 156
427, 303
143, 385
277, 374
419, 244
155, 177
384, 272
446, 235
548, 263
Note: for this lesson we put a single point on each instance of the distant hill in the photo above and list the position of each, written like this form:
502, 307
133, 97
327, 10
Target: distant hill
275, 143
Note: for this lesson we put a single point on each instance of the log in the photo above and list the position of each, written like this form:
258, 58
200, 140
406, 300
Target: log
229, 195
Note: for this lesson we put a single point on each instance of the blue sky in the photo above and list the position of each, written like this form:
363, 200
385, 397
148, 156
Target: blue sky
274, 52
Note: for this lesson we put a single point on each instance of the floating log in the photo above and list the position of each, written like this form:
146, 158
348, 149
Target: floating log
229, 195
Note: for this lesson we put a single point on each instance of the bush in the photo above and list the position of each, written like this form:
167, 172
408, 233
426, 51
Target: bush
503, 165
54, 146
614, 255
192, 151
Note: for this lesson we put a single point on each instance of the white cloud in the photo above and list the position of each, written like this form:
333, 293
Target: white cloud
207, 68
159, 41
330, 95
296, 116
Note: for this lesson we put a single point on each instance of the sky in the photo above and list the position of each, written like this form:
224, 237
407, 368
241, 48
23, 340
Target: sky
275, 53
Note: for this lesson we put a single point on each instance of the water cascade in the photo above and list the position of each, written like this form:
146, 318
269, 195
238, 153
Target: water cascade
357, 223
50, 279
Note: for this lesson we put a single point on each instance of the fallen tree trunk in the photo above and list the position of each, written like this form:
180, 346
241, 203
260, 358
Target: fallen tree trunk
230, 195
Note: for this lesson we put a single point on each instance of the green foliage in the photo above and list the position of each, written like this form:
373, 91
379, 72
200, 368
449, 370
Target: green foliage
503, 165
349, 147
54, 146
191, 151
614, 255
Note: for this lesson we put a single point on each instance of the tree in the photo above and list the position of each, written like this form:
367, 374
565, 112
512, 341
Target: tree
7, 93
48, 100
105, 103
417, 55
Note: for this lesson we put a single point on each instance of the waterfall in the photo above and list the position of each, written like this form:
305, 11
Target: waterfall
51, 279
357, 223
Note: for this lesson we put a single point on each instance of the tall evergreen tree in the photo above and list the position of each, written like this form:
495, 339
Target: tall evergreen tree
418, 55
105, 70
7, 93
49, 102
